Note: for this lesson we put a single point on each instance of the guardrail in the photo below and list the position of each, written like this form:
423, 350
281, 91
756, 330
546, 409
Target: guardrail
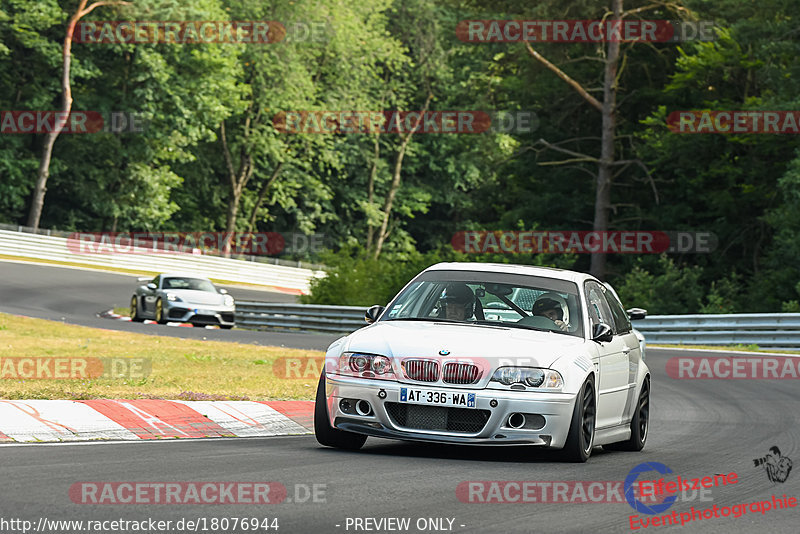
767, 330
49, 247
770, 330
261, 316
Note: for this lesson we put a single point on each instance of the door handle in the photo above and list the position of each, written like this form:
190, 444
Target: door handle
626, 351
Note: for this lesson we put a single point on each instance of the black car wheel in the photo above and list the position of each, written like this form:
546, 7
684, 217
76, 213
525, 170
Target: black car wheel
135, 317
580, 439
160, 312
324, 432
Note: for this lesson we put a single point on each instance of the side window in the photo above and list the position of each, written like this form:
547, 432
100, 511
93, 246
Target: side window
599, 312
620, 316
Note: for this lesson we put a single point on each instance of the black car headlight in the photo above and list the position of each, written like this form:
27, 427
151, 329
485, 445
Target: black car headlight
532, 377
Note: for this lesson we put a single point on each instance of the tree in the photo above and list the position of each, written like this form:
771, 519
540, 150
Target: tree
608, 109
37, 203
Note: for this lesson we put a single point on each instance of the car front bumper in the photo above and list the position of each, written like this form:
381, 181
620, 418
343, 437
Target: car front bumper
185, 312
548, 415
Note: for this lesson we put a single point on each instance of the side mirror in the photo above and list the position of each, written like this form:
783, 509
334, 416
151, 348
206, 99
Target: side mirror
223, 291
636, 314
373, 312
151, 286
602, 332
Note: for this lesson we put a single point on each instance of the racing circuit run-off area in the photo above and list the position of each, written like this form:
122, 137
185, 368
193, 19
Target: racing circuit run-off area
399, 266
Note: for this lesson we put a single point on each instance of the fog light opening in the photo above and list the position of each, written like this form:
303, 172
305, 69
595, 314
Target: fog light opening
516, 420
345, 406
363, 408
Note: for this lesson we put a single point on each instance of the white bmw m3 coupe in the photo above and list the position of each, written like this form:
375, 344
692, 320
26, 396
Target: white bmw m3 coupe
491, 354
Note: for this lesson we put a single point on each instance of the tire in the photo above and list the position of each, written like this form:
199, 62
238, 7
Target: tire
580, 439
226, 326
135, 317
640, 424
159, 315
327, 435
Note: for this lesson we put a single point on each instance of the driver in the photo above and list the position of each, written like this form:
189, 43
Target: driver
457, 302
552, 309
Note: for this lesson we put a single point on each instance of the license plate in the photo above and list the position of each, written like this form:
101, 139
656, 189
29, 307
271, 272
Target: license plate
459, 399
204, 312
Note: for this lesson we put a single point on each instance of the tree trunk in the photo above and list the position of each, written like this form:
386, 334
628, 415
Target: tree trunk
371, 190
261, 195
236, 179
398, 165
602, 203
37, 202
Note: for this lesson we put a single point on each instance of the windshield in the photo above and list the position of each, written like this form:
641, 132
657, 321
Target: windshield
195, 284
478, 298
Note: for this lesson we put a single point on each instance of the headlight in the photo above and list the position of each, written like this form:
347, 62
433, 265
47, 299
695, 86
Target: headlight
172, 297
365, 365
228, 300
528, 377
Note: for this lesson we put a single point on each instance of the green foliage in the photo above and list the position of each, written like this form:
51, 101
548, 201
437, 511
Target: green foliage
391, 54
357, 279
670, 289
724, 296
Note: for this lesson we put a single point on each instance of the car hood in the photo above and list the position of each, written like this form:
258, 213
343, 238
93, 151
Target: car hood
494, 345
190, 296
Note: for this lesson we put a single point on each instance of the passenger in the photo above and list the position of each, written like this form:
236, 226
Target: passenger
457, 302
550, 308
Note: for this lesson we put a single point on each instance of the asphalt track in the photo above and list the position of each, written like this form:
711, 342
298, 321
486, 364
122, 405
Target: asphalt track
76, 296
698, 428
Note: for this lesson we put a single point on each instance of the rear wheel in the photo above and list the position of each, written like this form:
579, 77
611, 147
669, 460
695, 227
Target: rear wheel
325, 433
639, 425
135, 317
160, 312
226, 326
580, 439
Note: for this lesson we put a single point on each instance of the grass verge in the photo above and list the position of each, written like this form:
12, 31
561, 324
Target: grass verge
180, 368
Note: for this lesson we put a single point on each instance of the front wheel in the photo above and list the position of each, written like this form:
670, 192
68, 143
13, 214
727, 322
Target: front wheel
639, 425
135, 317
580, 439
160, 312
324, 432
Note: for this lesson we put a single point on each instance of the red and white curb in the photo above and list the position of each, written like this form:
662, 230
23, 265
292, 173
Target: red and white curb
137, 419
111, 315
